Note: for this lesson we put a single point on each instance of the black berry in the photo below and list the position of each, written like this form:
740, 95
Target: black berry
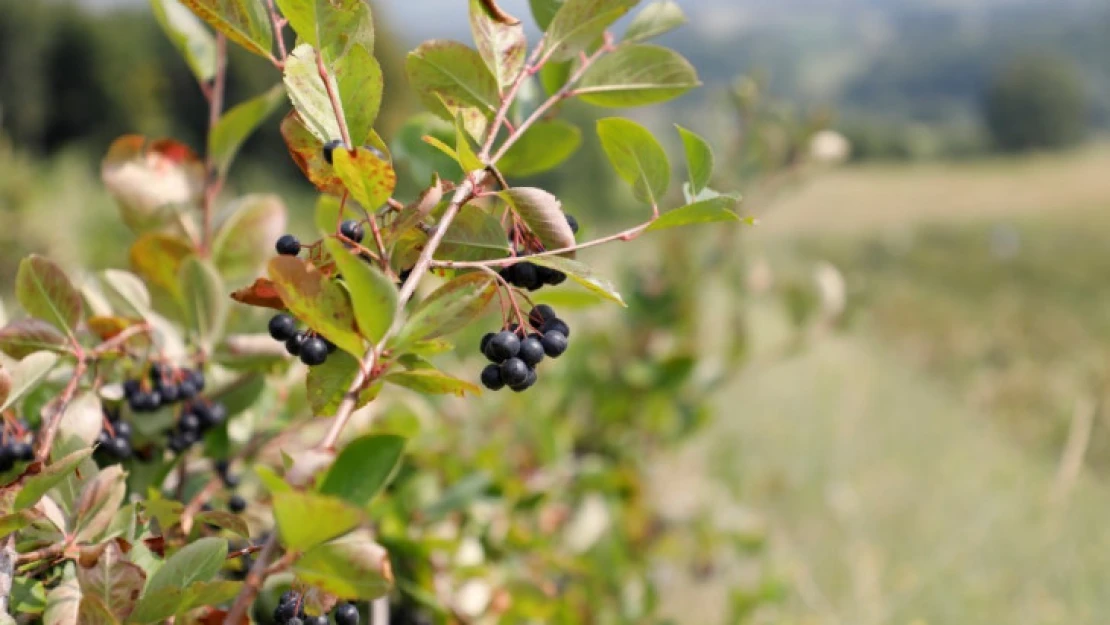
119, 447
6, 459
554, 343
286, 611
293, 345
485, 341
316, 620
502, 346
346, 614
491, 378
288, 245
352, 230
236, 503
130, 387
525, 276
122, 428
514, 371
282, 327
22, 452
557, 325
531, 351
189, 422
314, 351
231, 480
187, 389
527, 383
196, 376
556, 278
170, 392
573, 223
541, 314
329, 148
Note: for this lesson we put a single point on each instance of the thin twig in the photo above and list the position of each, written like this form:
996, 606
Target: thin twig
624, 235
336, 106
214, 180
45, 440
279, 29
46, 553
253, 583
530, 68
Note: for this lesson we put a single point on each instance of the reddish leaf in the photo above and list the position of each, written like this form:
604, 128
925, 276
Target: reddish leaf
317, 301
106, 327
262, 294
148, 177
113, 580
20, 338
308, 153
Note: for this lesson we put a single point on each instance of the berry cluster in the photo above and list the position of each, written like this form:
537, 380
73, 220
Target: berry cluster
514, 358
114, 442
312, 348
526, 275
15, 447
167, 386
290, 611
235, 503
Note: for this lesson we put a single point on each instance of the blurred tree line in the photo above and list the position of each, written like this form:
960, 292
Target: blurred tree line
70, 76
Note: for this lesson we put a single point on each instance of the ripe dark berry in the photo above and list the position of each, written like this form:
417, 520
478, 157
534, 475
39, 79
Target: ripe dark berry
573, 223
502, 346
525, 276
103, 438
170, 392
231, 480
189, 422
6, 459
331, 346
236, 504
556, 278
527, 383
122, 428
210, 415
541, 314
531, 351
296, 620
120, 448
293, 345
485, 341
130, 387
221, 466
491, 378
288, 245
314, 351
545, 275
196, 376
282, 327
557, 325
22, 452
329, 148
316, 620
352, 230
287, 597
186, 390
514, 371
286, 611
346, 614
554, 343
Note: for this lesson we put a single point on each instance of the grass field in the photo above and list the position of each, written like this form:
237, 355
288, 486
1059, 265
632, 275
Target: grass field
908, 467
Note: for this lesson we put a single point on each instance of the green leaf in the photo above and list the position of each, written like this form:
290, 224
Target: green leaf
199, 561
465, 154
337, 26
130, 288
581, 274
473, 235
246, 22
63, 602
699, 159
579, 23
26, 375
410, 216
45, 292
553, 76
245, 239
316, 300
450, 74
26, 336
705, 211
460, 495
28, 596
326, 384
116, 582
449, 308
158, 258
309, 94
308, 519
189, 36
100, 497
502, 45
544, 11
544, 147
352, 567
363, 468
204, 300
543, 213
432, 382
156, 606
637, 157
655, 19
421, 159
369, 179
358, 77
237, 124
83, 418
226, 520
637, 75
373, 295
35, 486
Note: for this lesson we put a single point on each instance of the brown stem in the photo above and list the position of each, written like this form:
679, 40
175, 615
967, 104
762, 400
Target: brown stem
45, 440
253, 583
279, 29
46, 553
624, 235
118, 340
213, 181
336, 106
530, 68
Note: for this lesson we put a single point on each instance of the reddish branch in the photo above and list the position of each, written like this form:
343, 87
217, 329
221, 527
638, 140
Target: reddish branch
213, 180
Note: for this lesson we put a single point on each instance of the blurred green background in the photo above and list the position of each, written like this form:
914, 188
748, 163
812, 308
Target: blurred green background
938, 453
